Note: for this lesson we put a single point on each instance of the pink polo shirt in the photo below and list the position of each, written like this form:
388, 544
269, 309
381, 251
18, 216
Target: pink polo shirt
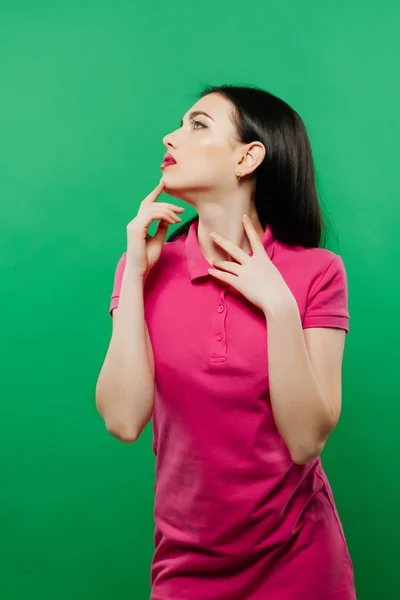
235, 518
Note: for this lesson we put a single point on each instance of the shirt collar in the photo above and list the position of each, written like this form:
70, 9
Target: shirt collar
197, 263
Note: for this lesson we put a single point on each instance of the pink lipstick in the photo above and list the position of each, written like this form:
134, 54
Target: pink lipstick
168, 161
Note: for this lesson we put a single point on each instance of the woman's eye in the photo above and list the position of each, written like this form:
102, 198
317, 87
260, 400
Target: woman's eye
197, 123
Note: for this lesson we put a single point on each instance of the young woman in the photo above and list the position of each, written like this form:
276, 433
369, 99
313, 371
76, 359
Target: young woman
231, 336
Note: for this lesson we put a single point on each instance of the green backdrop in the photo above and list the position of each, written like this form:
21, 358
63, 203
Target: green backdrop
88, 89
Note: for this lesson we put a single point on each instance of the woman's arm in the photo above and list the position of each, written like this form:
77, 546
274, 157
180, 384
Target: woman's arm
125, 386
305, 380
305, 368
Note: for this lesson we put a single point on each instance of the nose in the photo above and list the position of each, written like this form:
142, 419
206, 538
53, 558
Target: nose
169, 141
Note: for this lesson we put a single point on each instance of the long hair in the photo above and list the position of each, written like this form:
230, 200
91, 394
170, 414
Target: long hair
285, 194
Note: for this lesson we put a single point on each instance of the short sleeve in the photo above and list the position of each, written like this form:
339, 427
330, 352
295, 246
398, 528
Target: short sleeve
327, 304
119, 271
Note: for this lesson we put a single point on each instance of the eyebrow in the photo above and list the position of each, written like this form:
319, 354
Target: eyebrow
195, 113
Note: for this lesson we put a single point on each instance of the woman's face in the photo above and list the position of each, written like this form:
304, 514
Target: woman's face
205, 149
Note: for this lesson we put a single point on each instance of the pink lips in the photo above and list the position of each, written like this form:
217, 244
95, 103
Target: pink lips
168, 161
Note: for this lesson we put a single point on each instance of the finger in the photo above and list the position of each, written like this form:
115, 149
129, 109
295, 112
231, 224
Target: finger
223, 276
156, 213
254, 238
158, 217
161, 231
175, 217
171, 206
152, 197
228, 266
237, 253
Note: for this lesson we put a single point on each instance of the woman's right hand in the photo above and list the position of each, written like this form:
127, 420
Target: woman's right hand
143, 251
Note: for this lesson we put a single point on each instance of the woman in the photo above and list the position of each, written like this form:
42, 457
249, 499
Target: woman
231, 337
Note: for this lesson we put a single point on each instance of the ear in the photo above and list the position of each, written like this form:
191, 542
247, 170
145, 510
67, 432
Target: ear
251, 157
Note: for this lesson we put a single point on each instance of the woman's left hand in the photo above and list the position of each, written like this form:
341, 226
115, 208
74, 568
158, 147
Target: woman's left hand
256, 277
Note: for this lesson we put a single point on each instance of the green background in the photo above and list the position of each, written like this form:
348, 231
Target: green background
88, 89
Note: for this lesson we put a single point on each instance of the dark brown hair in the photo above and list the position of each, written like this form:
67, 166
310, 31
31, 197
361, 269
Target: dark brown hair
285, 194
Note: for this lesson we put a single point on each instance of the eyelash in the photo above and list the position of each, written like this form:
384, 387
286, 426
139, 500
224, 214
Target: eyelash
198, 123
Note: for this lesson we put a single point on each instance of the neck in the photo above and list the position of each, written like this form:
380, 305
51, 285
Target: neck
226, 219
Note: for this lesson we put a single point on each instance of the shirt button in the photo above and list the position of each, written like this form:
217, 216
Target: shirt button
220, 337
220, 309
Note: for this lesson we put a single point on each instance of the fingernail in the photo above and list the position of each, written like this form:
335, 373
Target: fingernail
213, 235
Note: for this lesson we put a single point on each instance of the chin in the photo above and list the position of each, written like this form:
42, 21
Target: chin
179, 190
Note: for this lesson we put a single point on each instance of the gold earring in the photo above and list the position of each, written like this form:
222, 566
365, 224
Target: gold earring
238, 175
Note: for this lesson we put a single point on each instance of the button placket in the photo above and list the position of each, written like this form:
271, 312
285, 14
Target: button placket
219, 343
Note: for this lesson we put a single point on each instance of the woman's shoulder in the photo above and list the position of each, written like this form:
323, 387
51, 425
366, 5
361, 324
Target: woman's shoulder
299, 257
310, 270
